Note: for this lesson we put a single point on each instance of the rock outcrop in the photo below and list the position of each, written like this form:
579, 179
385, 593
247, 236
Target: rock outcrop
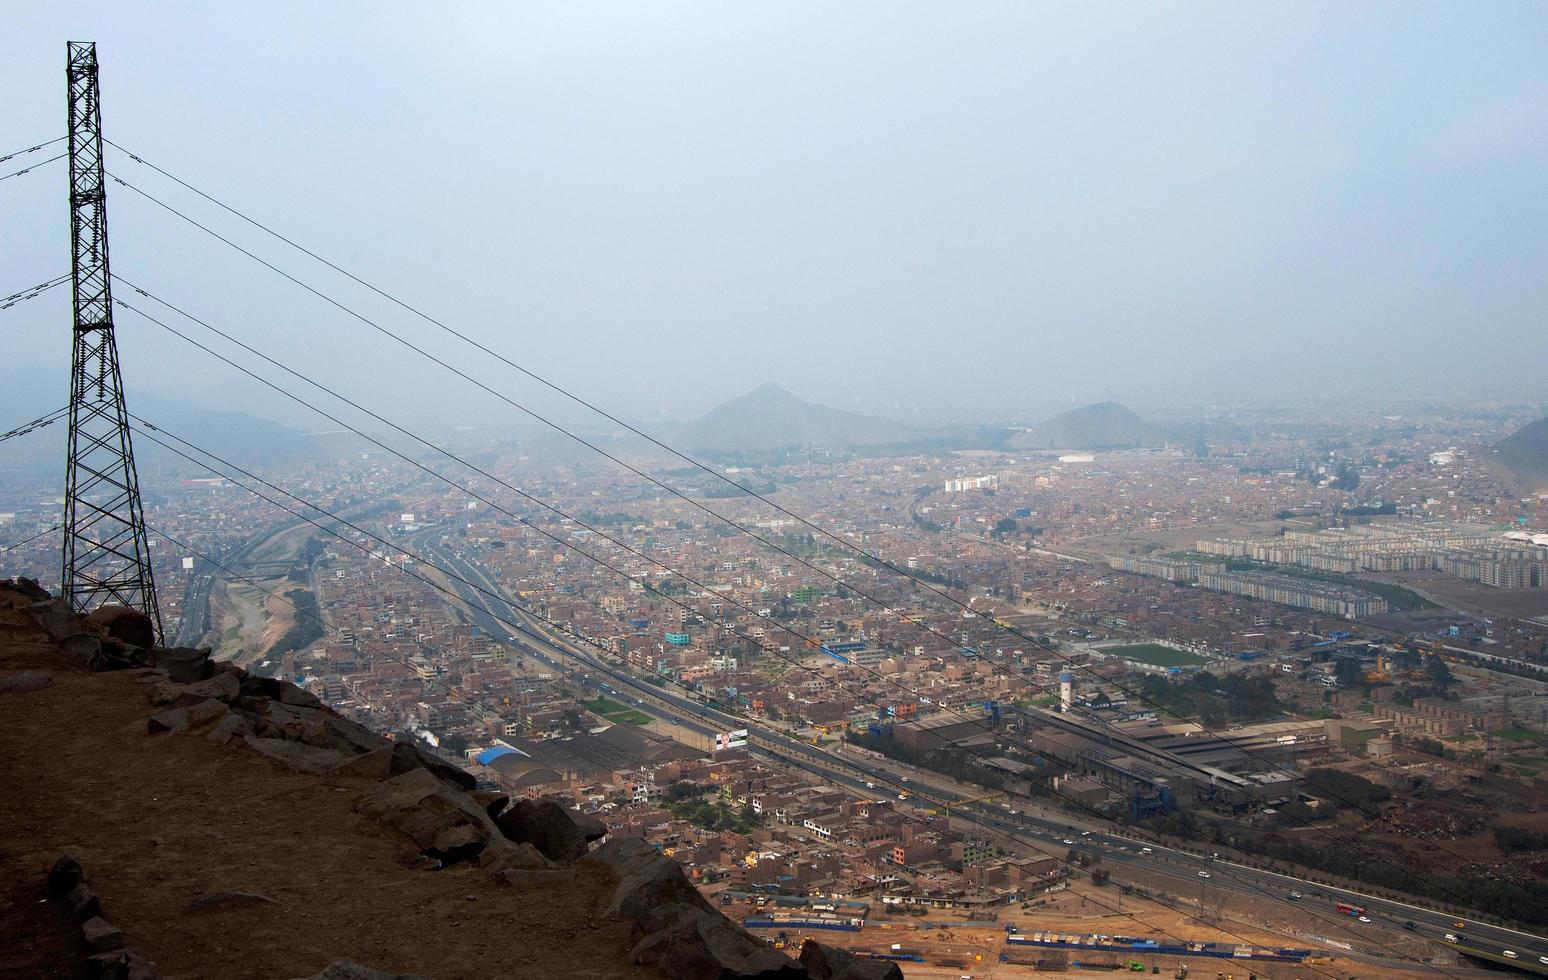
108, 957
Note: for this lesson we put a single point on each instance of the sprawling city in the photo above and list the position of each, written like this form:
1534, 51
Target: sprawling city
1206, 679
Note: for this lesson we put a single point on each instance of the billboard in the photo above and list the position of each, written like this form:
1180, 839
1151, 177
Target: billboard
730, 740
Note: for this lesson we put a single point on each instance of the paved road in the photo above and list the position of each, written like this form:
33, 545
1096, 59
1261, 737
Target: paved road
1042, 831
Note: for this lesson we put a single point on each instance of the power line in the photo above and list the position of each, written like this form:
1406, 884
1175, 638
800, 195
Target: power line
985, 617
790, 760
36, 424
47, 530
1429, 883
32, 167
450, 693
31, 149
32, 292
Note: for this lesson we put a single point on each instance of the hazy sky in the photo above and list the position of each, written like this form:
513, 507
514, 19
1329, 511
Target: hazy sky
1001, 207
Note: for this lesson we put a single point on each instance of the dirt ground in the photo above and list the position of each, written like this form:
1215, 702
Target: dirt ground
1100, 546
160, 821
979, 946
1471, 597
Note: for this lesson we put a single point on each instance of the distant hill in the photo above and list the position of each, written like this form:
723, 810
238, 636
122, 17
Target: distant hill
1524, 453
1105, 425
248, 441
770, 417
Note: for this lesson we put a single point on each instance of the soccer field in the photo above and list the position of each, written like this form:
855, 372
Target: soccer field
1155, 653
616, 712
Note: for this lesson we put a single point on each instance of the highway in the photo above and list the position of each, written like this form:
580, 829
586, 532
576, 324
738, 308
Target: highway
1042, 832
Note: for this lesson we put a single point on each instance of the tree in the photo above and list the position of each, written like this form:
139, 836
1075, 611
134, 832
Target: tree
1004, 526
682, 789
1438, 673
455, 744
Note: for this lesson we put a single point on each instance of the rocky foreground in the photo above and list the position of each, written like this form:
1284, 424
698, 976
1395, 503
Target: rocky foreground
171, 815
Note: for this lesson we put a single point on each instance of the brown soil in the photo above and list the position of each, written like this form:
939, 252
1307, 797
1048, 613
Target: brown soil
161, 821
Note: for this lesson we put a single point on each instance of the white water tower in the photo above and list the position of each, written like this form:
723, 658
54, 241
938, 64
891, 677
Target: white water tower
1066, 691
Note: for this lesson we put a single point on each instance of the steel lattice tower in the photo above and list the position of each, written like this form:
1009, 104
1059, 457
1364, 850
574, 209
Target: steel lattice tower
106, 554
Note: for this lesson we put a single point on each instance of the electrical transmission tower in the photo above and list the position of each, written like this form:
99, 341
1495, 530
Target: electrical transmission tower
106, 555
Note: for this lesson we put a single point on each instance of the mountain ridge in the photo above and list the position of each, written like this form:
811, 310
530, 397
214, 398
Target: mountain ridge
769, 417
1102, 425
1524, 453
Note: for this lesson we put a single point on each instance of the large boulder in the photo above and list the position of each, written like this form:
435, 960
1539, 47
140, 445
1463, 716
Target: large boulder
296, 755
123, 624
182, 719
502, 855
185, 665
560, 833
64, 875
824, 962
646, 878
24, 588
221, 687
407, 756
375, 764
690, 943
101, 936
56, 617
442, 821
121, 964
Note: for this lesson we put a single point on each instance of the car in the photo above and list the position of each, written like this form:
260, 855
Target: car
1203, 874
1543, 960
1146, 850
902, 796
1365, 918
1509, 954
1459, 924
869, 784
1295, 896
1410, 925
1451, 937
1068, 842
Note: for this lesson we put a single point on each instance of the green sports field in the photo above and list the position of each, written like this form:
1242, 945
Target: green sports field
616, 712
1156, 654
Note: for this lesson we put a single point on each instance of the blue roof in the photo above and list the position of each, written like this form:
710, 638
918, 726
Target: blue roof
489, 755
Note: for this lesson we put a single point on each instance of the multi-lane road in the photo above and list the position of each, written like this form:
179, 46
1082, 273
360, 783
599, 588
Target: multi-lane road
1388, 924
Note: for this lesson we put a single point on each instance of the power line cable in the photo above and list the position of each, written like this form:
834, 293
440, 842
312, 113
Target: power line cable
32, 292
1027, 638
450, 693
35, 424
790, 760
1428, 883
28, 540
31, 149
32, 167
